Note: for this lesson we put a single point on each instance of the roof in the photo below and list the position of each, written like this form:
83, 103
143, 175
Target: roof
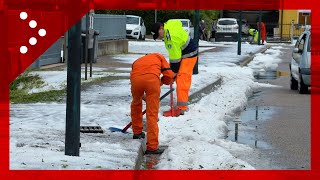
132, 16
181, 19
226, 19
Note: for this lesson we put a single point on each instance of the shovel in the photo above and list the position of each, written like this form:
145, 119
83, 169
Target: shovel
124, 130
171, 111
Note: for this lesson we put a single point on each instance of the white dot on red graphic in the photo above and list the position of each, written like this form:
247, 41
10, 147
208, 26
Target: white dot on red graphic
33, 41
42, 32
33, 23
23, 15
23, 49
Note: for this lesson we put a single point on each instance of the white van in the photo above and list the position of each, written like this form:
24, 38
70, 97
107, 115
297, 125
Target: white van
227, 29
135, 27
187, 25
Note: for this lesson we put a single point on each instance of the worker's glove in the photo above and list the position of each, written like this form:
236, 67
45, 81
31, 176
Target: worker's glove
166, 80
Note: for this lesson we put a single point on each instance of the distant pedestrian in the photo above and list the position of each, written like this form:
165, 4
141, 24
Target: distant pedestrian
145, 79
202, 27
214, 29
255, 35
262, 28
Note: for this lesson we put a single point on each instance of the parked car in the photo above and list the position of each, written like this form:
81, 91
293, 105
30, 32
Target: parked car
135, 27
300, 71
187, 25
227, 29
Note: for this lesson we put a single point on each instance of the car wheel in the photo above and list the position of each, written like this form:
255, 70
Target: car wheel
302, 88
140, 35
293, 83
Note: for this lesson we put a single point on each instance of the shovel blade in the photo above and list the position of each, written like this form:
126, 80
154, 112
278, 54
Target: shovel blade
172, 113
114, 129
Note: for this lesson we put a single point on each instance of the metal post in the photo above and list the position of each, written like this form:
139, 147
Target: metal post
257, 112
281, 22
240, 33
91, 32
259, 27
65, 48
72, 143
236, 132
196, 37
155, 16
86, 47
292, 30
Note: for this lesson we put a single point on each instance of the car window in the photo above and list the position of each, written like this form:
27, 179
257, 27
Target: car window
301, 43
184, 23
298, 41
132, 20
227, 22
309, 44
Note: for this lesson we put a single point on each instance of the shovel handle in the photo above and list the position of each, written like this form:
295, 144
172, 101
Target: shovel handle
163, 96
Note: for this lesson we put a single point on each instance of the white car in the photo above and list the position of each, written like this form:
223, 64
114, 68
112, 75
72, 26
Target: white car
135, 27
300, 71
187, 25
227, 29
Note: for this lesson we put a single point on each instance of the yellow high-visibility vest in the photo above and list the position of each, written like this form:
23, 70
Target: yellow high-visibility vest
255, 34
175, 39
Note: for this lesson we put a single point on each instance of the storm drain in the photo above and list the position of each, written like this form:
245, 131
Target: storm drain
91, 129
267, 75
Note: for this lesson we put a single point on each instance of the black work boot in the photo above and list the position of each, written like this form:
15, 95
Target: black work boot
142, 135
158, 151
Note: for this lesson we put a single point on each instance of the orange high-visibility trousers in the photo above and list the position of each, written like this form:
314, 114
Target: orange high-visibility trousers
149, 84
183, 80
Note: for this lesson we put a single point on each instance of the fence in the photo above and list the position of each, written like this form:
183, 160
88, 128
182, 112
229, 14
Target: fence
110, 27
50, 56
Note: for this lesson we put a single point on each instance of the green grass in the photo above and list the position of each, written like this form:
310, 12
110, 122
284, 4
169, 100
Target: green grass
19, 90
47, 96
25, 82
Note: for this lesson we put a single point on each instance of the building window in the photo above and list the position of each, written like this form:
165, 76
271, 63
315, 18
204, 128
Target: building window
304, 18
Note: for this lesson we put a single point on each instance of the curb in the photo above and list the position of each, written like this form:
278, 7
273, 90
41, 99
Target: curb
247, 60
139, 159
193, 98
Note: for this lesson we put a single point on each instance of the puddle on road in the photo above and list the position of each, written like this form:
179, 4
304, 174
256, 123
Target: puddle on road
245, 128
267, 75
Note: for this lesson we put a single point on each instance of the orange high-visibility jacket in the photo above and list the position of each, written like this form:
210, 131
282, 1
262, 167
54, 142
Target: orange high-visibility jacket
153, 64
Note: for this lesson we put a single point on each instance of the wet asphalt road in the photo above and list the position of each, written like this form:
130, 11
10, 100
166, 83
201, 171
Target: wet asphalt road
286, 132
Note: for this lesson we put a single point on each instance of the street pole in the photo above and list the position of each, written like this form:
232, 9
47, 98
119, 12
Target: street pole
259, 29
155, 16
240, 33
196, 37
72, 141
86, 47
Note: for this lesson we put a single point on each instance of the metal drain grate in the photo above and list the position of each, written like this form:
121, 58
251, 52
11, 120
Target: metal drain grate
91, 129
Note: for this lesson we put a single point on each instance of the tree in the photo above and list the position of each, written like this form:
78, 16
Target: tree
164, 15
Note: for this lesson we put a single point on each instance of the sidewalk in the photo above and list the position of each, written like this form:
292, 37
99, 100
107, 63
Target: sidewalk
106, 105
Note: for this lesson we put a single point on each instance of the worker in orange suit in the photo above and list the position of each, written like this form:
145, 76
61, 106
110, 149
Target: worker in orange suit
145, 79
262, 31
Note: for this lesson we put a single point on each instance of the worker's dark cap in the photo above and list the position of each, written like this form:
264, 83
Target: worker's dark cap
155, 30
